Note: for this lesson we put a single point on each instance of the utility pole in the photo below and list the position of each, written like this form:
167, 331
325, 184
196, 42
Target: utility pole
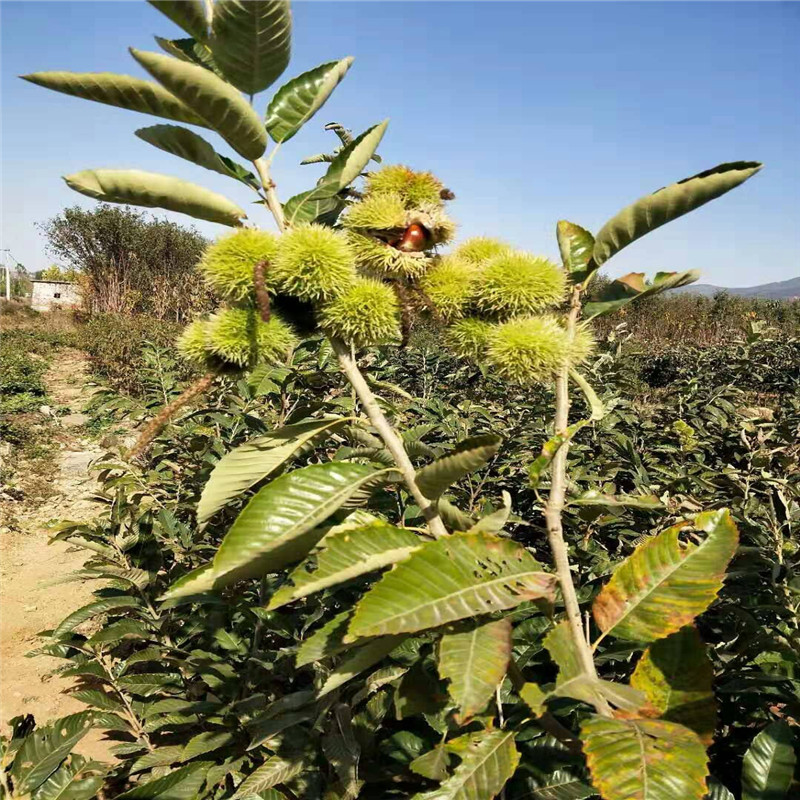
8, 258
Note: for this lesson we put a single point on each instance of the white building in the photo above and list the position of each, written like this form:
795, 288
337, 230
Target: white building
48, 295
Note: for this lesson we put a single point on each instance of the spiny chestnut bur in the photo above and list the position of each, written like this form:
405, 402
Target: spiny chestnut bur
239, 336
397, 224
468, 338
514, 283
314, 263
228, 264
479, 249
367, 313
451, 286
529, 350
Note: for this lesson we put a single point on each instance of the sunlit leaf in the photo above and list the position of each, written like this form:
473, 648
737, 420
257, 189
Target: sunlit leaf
359, 659
576, 245
188, 50
273, 771
102, 606
122, 91
251, 41
152, 190
466, 457
258, 458
667, 204
450, 579
186, 144
665, 583
345, 555
644, 759
634, 286
187, 14
297, 101
216, 102
182, 784
474, 661
769, 764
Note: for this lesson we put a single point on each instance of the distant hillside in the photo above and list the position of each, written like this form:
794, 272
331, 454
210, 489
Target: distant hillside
782, 290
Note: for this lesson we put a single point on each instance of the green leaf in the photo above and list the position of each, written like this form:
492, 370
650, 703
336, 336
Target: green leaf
342, 752
644, 759
186, 144
327, 641
279, 525
161, 757
121, 91
675, 675
148, 683
475, 662
454, 517
188, 50
216, 102
297, 101
251, 41
152, 190
466, 457
98, 699
450, 579
94, 608
125, 628
360, 659
258, 458
595, 498
307, 207
182, 784
205, 742
549, 450
573, 681
273, 771
494, 522
187, 14
343, 170
488, 760
432, 764
667, 204
345, 555
559, 785
664, 584
633, 286
68, 783
45, 748
769, 764
193, 583
576, 245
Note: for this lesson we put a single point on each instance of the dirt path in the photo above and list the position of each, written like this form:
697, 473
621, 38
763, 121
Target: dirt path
27, 604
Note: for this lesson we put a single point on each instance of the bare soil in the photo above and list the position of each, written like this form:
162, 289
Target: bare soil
29, 603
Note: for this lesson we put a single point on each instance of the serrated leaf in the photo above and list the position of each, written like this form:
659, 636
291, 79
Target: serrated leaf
494, 522
92, 609
454, 517
216, 102
595, 498
327, 641
675, 675
664, 584
360, 658
187, 14
448, 580
152, 190
205, 742
279, 525
258, 458
148, 683
98, 699
273, 771
68, 781
122, 91
297, 101
634, 286
116, 632
432, 764
188, 50
644, 759
487, 762
576, 245
769, 764
251, 41
186, 144
196, 582
343, 170
45, 748
559, 785
466, 457
183, 783
475, 662
345, 555
163, 756
667, 204
306, 207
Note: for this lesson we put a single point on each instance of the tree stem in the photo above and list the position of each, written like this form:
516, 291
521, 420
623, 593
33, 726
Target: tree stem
392, 441
270, 195
554, 509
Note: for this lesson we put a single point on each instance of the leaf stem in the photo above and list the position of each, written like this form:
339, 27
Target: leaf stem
553, 513
390, 438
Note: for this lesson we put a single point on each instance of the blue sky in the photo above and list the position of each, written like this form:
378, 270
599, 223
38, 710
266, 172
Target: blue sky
530, 113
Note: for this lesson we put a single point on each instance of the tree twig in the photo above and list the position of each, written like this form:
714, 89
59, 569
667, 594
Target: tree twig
262, 295
553, 512
270, 195
392, 441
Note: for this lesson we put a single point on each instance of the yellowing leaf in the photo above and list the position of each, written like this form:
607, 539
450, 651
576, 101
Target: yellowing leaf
664, 584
